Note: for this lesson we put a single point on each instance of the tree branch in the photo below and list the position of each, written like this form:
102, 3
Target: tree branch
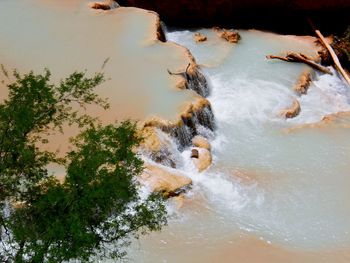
301, 58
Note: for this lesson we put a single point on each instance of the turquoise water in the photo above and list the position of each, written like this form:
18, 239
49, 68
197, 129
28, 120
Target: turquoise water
289, 189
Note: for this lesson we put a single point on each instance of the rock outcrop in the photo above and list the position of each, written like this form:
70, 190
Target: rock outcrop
196, 113
229, 36
164, 180
198, 37
159, 147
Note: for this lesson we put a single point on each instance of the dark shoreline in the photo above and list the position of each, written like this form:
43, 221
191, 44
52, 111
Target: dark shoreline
284, 17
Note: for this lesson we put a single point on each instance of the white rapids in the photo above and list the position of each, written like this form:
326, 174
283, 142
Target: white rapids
287, 188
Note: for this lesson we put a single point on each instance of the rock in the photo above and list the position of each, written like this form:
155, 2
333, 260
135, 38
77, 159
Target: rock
151, 140
192, 112
204, 159
230, 36
293, 111
164, 180
201, 142
194, 153
102, 6
198, 37
303, 82
334, 120
106, 5
158, 146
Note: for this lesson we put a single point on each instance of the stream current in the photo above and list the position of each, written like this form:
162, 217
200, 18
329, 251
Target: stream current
270, 181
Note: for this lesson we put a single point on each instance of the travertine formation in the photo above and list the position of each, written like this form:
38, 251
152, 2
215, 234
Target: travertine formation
126, 44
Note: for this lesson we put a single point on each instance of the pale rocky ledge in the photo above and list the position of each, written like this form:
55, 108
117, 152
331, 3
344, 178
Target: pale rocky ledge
126, 44
71, 36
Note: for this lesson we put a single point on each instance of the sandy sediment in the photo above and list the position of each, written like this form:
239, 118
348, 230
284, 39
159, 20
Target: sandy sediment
335, 120
250, 249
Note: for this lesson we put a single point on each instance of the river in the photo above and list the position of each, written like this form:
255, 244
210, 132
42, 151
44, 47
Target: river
278, 189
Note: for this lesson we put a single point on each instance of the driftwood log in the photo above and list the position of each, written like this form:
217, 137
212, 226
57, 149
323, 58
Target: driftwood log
301, 58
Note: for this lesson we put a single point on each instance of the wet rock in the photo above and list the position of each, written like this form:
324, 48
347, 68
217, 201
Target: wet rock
334, 120
293, 111
106, 5
158, 147
201, 142
204, 159
193, 79
198, 37
230, 36
163, 180
194, 153
303, 82
193, 113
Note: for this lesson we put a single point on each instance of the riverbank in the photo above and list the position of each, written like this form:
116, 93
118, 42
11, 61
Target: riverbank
287, 17
272, 189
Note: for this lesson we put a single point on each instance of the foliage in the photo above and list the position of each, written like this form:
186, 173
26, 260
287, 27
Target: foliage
33, 107
97, 207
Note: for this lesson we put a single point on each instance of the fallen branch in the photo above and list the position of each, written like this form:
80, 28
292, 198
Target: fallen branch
334, 57
301, 58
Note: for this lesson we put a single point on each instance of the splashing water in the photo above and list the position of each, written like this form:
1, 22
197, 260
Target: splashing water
289, 189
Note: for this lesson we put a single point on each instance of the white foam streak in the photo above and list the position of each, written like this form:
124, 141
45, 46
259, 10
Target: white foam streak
327, 94
295, 202
241, 99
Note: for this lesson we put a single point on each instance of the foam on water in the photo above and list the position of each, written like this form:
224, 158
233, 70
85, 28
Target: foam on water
327, 94
287, 189
282, 204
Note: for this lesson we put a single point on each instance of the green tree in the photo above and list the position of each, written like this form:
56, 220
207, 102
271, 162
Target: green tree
97, 208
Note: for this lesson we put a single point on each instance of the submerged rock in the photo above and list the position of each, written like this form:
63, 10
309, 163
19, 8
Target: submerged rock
163, 180
293, 111
198, 37
335, 120
179, 201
